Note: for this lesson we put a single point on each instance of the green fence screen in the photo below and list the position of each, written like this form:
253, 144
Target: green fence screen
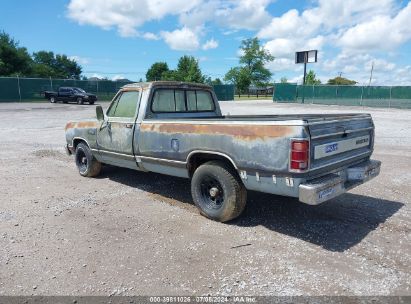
369, 96
32, 89
224, 92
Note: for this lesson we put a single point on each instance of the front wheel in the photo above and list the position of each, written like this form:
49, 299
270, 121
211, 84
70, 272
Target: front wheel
87, 164
91, 102
80, 101
218, 191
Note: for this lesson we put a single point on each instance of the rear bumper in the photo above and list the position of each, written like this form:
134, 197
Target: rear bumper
319, 190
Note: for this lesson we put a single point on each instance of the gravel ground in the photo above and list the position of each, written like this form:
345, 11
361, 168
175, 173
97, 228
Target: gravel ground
131, 233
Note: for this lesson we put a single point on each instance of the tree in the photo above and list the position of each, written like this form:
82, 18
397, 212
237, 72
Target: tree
340, 81
46, 64
187, 70
210, 81
240, 77
284, 80
155, 72
311, 79
254, 59
14, 60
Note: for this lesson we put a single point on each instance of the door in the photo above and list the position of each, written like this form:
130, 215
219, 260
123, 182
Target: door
115, 136
62, 94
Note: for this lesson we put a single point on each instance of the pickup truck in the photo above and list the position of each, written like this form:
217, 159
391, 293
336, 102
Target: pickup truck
69, 94
178, 129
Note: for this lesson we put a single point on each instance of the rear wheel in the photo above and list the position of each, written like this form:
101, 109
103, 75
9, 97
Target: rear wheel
80, 101
218, 191
52, 99
87, 164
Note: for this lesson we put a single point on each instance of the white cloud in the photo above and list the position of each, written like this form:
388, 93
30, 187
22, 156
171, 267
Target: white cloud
382, 32
181, 40
349, 34
117, 77
210, 44
125, 15
243, 14
150, 36
79, 59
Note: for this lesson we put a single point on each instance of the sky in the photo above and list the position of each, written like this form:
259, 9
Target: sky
122, 38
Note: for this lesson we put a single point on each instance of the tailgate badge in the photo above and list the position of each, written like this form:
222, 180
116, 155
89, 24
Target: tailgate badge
331, 148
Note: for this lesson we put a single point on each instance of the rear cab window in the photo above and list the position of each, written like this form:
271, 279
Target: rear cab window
182, 101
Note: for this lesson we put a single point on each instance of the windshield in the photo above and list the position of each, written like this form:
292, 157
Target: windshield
79, 90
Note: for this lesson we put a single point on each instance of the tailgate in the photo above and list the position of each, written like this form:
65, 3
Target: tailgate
340, 140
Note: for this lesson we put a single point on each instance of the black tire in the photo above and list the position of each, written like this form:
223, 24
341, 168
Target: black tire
91, 102
80, 101
52, 99
218, 191
86, 163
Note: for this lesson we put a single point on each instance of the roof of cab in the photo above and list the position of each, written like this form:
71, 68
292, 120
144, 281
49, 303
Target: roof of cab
145, 85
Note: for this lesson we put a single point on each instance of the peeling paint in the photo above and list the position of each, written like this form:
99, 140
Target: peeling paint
239, 131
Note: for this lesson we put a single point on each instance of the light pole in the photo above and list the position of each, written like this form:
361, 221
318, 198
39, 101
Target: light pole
305, 57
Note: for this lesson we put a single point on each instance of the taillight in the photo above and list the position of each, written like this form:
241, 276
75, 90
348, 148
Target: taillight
300, 154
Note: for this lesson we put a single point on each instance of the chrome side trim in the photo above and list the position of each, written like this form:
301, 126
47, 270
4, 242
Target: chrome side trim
228, 122
80, 138
211, 152
114, 153
161, 159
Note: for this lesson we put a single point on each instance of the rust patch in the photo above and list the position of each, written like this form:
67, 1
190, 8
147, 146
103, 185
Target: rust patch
244, 132
138, 89
81, 124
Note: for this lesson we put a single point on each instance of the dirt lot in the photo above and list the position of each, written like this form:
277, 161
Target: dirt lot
133, 233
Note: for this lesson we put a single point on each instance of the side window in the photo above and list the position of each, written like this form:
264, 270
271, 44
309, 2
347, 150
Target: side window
125, 105
204, 101
113, 106
168, 101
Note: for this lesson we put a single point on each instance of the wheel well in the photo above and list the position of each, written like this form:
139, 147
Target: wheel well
76, 141
198, 159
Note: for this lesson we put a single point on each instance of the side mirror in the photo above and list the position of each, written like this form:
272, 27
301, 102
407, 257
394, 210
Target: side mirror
99, 113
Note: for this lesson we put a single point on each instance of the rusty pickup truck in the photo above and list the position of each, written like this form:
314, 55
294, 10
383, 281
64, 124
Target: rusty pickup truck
178, 129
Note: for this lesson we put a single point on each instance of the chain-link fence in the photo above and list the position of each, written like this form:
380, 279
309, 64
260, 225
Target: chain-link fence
369, 96
14, 89
32, 89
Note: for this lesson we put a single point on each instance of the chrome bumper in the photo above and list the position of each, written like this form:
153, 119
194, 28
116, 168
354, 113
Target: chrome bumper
319, 190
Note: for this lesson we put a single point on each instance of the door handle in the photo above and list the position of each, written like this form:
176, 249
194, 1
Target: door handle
129, 125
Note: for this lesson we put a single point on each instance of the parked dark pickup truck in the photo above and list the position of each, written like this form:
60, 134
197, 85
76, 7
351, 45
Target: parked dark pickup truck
178, 129
69, 94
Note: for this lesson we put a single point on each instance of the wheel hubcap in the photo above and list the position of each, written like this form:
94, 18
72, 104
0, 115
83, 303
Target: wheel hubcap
212, 193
